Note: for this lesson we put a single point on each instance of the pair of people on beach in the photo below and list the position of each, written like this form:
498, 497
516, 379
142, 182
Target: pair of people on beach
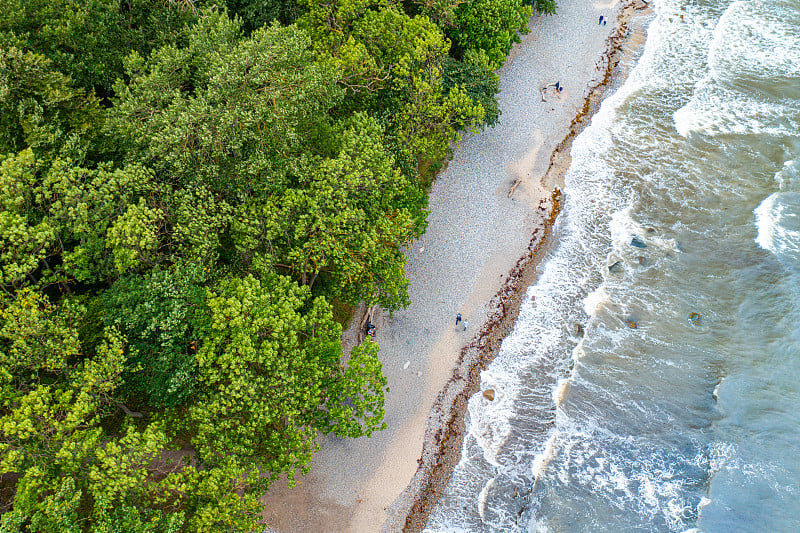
463, 322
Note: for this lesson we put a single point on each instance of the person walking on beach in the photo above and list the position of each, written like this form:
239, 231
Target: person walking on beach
458, 318
601, 20
466, 323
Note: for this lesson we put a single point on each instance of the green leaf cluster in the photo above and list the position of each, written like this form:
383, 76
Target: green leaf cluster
545, 7
88, 41
492, 26
40, 109
268, 368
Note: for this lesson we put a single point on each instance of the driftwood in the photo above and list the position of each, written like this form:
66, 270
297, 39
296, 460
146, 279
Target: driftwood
516, 184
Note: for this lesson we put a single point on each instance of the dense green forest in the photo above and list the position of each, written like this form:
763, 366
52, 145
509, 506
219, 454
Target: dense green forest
190, 193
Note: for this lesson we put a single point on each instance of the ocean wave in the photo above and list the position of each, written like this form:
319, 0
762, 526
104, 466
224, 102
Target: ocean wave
753, 79
777, 220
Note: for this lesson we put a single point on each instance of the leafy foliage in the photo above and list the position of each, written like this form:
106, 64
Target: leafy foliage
269, 358
54, 221
88, 40
391, 64
441, 12
51, 405
40, 109
24, 236
238, 116
545, 7
347, 219
492, 26
155, 314
478, 81
354, 406
258, 13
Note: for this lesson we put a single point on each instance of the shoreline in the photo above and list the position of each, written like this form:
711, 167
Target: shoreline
444, 433
490, 209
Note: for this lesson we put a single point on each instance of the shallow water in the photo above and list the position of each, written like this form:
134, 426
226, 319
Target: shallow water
673, 406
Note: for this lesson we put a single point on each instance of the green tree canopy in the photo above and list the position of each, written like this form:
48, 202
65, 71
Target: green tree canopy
270, 377
55, 220
258, 13
347, 219
239, 116
87, 41
79, 466
40, 109
155, 313
53, 400
545, 7
475, 76
492, 26
391, 65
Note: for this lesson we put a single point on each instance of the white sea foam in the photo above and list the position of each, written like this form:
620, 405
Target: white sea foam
777, 220
542, 458
752, 43
483, 497
756, 38
595, 300
489, 421
560, 389
788, 178
719, 110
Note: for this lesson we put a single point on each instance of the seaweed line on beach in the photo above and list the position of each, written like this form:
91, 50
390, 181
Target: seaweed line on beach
444, 432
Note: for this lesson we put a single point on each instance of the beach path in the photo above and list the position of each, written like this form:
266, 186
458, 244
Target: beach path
475, 236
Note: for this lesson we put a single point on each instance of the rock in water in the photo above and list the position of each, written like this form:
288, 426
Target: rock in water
637, 242
631, 323
694, 318
489, 394
615, 267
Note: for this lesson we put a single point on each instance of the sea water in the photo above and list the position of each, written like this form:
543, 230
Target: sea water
652, 381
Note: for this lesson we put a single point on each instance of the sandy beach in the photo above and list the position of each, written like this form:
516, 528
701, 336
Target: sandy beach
478, 254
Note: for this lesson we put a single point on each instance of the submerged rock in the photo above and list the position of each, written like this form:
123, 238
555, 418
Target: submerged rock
489, 394
638, 242
631, 323
694, 318
615, 267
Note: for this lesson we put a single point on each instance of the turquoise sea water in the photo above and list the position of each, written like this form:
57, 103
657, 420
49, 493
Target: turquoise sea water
681, 218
